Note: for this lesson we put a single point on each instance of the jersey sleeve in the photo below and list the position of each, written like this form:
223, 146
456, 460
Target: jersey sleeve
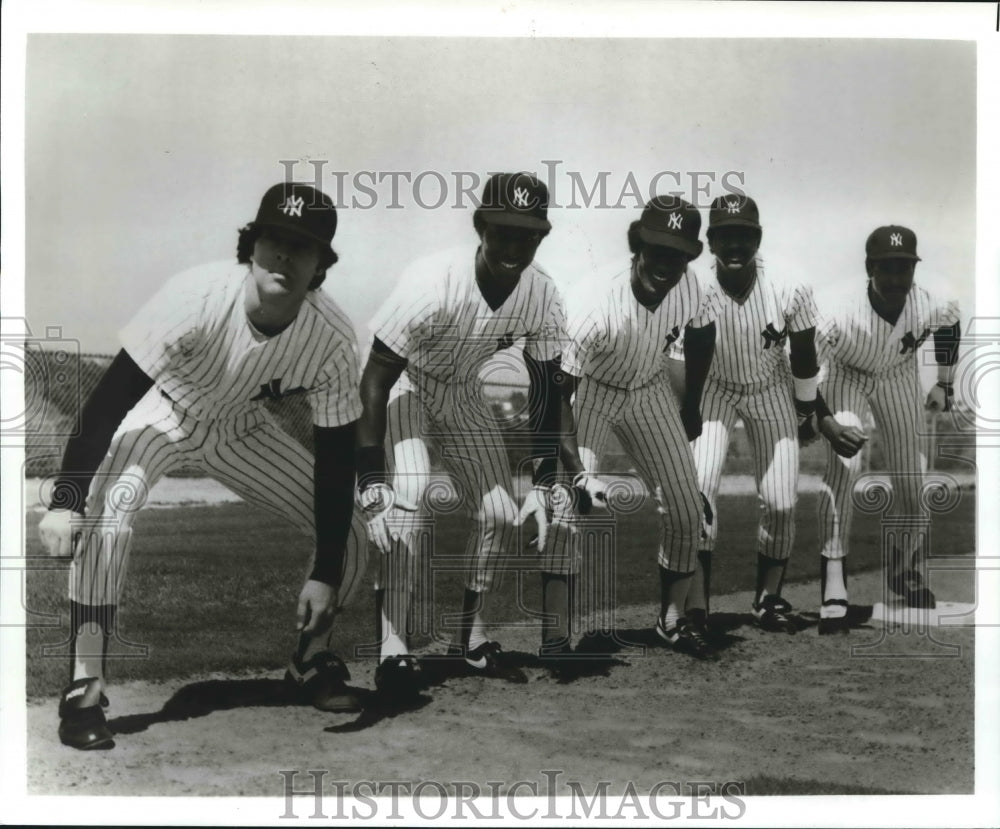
584, 337
706, 304
405, 318
336, 400
800, 308
549, 340
169, 326
944, 312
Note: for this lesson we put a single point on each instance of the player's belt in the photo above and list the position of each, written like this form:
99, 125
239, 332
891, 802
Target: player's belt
656, 378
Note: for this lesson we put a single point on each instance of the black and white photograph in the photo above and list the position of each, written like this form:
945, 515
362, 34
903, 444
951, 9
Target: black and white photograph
554, 414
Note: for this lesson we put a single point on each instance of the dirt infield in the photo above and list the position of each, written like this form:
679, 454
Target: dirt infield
782, 715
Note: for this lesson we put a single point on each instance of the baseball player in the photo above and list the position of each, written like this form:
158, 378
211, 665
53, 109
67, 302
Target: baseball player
869, 340
188, 387
420, 388
617, 366
752, 379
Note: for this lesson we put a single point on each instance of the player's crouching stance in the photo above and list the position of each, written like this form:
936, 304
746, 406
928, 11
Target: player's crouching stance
870, 340
421, 388
616, 362
752, 379
187, 388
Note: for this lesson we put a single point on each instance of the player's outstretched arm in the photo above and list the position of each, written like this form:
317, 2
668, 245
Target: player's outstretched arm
121, 386
333, 505
805, 371
699, 348
947, 339
375, 494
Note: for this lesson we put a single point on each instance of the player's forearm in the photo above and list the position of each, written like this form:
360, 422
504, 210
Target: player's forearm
121, 386
804, 360
699, 348
381, 372
946, 342
333, 499
569, 448
544, 416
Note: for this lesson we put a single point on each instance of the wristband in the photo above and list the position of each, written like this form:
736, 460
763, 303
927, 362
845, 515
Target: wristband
805, 388
946, 376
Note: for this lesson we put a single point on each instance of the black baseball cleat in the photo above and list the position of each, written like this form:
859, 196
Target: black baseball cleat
557, 655
488, 660
771, 614
400, 678
831, 624
685, 637
321, 681
83, 725
910, 585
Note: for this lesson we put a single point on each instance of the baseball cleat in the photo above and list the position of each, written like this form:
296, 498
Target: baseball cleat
83, 726
910, 585
771, 614
400, 678
488, 660
557, 655
685, 637
833, 617
321, 681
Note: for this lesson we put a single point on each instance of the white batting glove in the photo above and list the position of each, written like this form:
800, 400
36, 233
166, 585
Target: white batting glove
536, 504
376, 502
940, 397
59, 537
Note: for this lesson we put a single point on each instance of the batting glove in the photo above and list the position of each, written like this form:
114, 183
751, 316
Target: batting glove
537, 504
60, 538
377, 501
941, 397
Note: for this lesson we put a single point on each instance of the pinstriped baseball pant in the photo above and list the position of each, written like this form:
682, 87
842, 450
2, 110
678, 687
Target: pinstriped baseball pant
768, 415
471, 447
251, 456
895, 401
648, 424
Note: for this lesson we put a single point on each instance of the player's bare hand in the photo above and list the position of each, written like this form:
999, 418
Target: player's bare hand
940, 398
60, 538
317, 606
846, 441
536, 505
378, 502
691, 418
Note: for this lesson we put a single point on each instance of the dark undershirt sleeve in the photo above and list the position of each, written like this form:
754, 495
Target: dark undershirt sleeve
333, 476
946, 341
121, 386
544, 415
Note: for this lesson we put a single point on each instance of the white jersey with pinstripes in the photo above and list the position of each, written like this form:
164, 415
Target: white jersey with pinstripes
194, 340
853, 335
615, 340
751, 330
439, 321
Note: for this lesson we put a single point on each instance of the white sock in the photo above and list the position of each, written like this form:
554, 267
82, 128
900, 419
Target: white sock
670, 617
392, 643
88, 661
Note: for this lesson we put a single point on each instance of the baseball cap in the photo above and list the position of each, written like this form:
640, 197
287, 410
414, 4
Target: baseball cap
299, 208
734, 209
516, 200
892, 242
671, 222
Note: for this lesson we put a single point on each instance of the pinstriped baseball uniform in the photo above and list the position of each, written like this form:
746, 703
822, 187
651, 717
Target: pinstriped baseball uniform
438, 320
750, 379
618, 349
871, 366
211, 374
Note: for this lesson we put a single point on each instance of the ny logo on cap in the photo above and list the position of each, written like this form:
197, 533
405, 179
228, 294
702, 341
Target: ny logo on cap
292, 206
732, 206
675, 221
521, 196
896, 240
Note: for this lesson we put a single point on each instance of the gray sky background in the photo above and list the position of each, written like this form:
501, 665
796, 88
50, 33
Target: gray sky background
144, 153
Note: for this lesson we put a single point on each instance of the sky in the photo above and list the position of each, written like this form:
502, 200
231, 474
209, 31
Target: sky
145, 153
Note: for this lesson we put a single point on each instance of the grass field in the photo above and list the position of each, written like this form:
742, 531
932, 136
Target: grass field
213, 589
